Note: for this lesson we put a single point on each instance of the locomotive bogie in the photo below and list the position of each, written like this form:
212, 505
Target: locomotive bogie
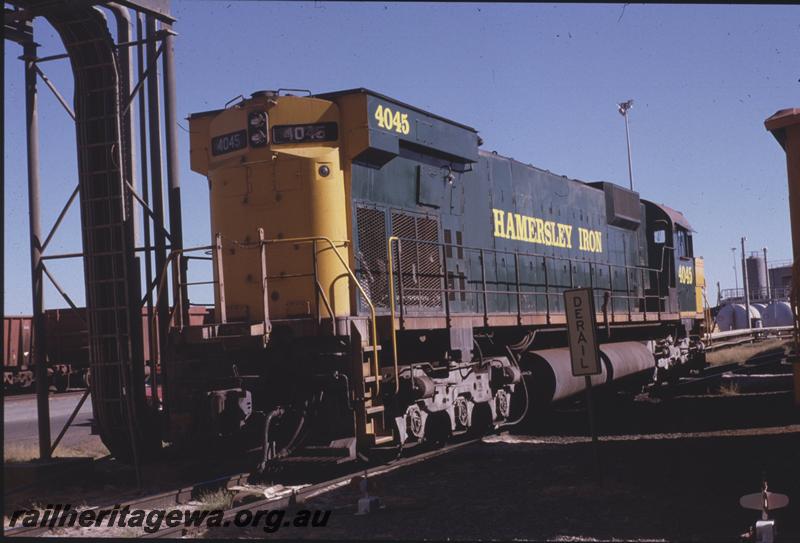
460, 391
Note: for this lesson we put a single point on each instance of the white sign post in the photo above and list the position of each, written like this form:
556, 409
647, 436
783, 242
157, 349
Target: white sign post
584, 350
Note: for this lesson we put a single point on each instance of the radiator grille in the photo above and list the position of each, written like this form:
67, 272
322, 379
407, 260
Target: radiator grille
420, 263
371, 267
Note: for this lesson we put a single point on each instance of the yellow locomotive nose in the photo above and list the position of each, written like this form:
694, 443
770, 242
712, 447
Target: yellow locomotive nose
287, 181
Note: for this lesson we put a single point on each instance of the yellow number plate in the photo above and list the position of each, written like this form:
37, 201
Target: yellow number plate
392, 120
685, 275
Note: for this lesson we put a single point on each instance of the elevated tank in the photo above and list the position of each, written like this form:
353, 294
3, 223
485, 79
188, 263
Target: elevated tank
757, 276
777, 314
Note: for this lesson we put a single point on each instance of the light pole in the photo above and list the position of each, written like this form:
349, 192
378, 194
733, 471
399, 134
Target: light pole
735, 275
766, 269
746, 285
623, 108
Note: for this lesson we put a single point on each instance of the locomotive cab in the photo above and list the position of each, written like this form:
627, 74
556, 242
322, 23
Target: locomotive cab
274, 171
671, 250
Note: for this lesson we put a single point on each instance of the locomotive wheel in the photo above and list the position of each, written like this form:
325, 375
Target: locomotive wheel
481, 423
61, 381
437, 428
462, 413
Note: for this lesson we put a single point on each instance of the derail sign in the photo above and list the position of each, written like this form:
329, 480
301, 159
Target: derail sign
579, 304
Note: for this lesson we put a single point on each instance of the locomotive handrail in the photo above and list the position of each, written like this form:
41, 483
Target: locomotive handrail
310, 239
373, 314
554, 257
484, 291
161, 278
392, 309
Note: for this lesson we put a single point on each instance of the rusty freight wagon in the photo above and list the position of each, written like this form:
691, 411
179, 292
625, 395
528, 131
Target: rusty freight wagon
66, 342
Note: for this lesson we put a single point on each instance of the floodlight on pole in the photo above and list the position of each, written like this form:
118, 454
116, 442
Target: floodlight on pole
735, 275
623, 108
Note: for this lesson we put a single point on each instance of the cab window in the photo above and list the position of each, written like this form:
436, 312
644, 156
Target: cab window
683, 243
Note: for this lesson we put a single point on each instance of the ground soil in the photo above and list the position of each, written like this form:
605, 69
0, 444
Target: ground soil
673, 469
680, 481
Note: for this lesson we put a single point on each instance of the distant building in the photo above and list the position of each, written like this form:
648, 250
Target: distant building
780, 282
780, 279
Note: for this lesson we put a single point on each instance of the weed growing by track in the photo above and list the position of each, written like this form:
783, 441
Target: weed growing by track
218, 499
741, 354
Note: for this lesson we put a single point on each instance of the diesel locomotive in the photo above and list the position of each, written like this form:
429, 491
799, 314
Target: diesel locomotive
381, 280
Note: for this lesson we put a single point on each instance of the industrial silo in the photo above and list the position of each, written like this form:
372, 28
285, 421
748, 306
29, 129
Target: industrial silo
757, 277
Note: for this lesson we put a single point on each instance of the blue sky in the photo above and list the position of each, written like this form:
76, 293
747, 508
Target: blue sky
540, 82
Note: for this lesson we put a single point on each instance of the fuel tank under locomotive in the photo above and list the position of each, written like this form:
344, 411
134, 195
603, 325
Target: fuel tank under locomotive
549, 371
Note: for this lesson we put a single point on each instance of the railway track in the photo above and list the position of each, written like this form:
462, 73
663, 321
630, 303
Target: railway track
316, 489
733, 338
180, 496
711, 375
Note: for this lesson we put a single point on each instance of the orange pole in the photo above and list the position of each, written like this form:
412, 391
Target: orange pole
785, 126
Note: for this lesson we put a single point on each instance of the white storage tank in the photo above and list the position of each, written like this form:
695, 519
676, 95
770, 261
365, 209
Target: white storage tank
725, 318
732, 317
777, 314
741, 321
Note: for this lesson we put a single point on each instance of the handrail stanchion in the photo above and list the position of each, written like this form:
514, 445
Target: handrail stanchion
628, 290
447, 288
547, 287
223, 317
611, 290
400, 280
516, 277
391, 308
644, 293
262, 249
483, 282
658, 287
316, 281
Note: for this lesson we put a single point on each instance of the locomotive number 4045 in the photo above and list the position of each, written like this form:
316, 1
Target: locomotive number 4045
392, 120
685, 275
